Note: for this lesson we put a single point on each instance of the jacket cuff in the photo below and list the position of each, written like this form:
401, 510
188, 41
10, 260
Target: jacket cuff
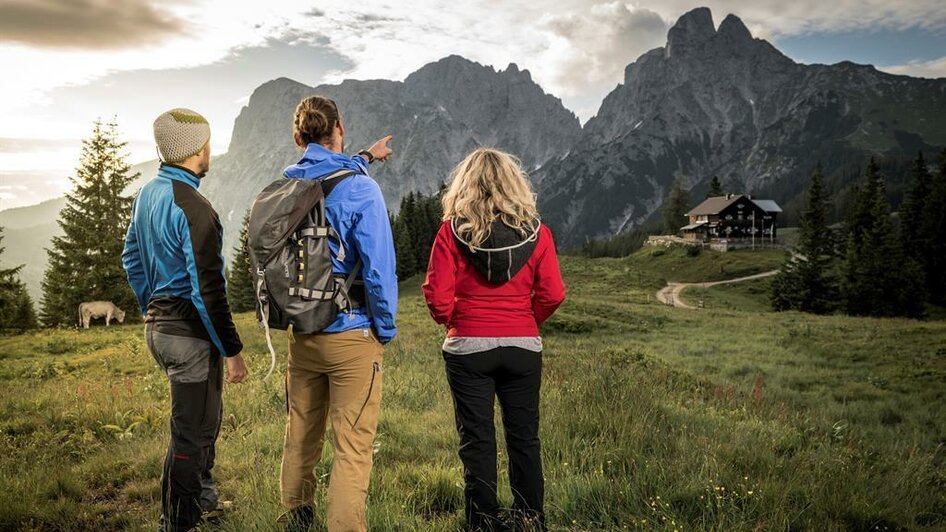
233, 348
385, 334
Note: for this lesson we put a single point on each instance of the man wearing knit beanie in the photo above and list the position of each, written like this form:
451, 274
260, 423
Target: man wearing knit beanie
173, 261
180, 134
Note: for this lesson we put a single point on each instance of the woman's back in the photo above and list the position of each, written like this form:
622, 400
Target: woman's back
504, 287
492, 279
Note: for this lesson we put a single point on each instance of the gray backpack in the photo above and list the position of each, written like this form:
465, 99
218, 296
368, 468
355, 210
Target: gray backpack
289, 252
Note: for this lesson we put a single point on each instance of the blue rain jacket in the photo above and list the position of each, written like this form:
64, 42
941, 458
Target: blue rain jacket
356, 210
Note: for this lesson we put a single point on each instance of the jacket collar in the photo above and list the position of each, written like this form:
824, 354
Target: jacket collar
318, 161
179, 173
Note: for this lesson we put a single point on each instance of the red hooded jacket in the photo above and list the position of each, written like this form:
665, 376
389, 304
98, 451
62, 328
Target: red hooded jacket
508, 287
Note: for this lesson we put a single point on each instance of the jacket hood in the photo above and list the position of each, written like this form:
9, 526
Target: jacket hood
318, 161
504, 252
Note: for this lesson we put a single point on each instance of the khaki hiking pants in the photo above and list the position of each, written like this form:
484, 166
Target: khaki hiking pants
334, 377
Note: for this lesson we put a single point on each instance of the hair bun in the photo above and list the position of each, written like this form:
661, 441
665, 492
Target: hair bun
315, 119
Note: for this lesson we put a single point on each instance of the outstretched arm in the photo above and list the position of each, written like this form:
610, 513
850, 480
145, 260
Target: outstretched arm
379, 151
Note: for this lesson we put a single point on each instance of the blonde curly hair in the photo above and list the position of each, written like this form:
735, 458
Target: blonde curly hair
487, 185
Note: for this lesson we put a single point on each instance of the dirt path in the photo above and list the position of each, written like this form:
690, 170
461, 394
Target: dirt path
670, 294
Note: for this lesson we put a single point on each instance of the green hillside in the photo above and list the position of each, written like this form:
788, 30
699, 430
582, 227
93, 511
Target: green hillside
27, 246
654, 418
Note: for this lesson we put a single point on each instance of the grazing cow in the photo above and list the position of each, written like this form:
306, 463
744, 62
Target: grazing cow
98, 309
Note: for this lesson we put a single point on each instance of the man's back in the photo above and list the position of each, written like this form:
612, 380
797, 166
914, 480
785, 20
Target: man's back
172, 256
172, 259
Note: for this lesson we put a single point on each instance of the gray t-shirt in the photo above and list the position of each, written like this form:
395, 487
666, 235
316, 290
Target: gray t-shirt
465, 345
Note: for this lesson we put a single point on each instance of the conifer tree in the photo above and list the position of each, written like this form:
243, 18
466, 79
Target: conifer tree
404, 249
676, 207
16, 305
934, 227
415, 226
85, 263
429, 214
806, 281
913, 211
240, 286
715, 189
877, 280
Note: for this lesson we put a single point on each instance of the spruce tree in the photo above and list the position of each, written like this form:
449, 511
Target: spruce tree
715, 188
85, 263
676, 207
429, 214
914, 210
404, 249
934, 227
877, 279
16, 305
806, 281
415, 226
412, 218
860, 218
240, 291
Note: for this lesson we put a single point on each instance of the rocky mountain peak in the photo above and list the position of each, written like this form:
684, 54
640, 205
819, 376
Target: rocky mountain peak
692, 29
448, 69
721, 102
514, 72
436, 115
734, 30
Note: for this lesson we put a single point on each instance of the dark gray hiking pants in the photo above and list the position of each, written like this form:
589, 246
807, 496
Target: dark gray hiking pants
195, 371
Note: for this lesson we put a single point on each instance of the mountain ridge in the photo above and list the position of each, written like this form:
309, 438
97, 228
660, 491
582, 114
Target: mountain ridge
711, 101
721, 102
436, 115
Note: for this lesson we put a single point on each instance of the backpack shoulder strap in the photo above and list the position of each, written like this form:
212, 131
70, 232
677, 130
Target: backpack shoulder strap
331, 181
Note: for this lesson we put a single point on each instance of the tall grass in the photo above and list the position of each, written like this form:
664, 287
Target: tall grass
652, 418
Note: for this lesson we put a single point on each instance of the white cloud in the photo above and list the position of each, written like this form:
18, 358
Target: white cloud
218, 27
934, 68
575, 49
770, 18
589, 50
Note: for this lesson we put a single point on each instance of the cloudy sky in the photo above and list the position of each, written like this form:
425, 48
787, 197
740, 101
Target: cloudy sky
68, 62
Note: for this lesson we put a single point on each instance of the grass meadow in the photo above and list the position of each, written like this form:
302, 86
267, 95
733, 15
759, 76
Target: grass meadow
654, 418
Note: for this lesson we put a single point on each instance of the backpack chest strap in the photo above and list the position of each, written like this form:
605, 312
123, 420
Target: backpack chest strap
316, 232
311, 293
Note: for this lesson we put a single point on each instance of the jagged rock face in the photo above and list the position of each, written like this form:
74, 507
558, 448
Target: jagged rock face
719, 102
437, 115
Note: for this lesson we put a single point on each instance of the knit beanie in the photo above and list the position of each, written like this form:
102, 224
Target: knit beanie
180, 133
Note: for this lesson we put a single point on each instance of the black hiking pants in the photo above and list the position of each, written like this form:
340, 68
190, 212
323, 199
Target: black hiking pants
513, 375
195, 371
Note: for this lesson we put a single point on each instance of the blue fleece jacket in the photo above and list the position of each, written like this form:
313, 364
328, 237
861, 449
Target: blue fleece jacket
174, 261
356, 210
